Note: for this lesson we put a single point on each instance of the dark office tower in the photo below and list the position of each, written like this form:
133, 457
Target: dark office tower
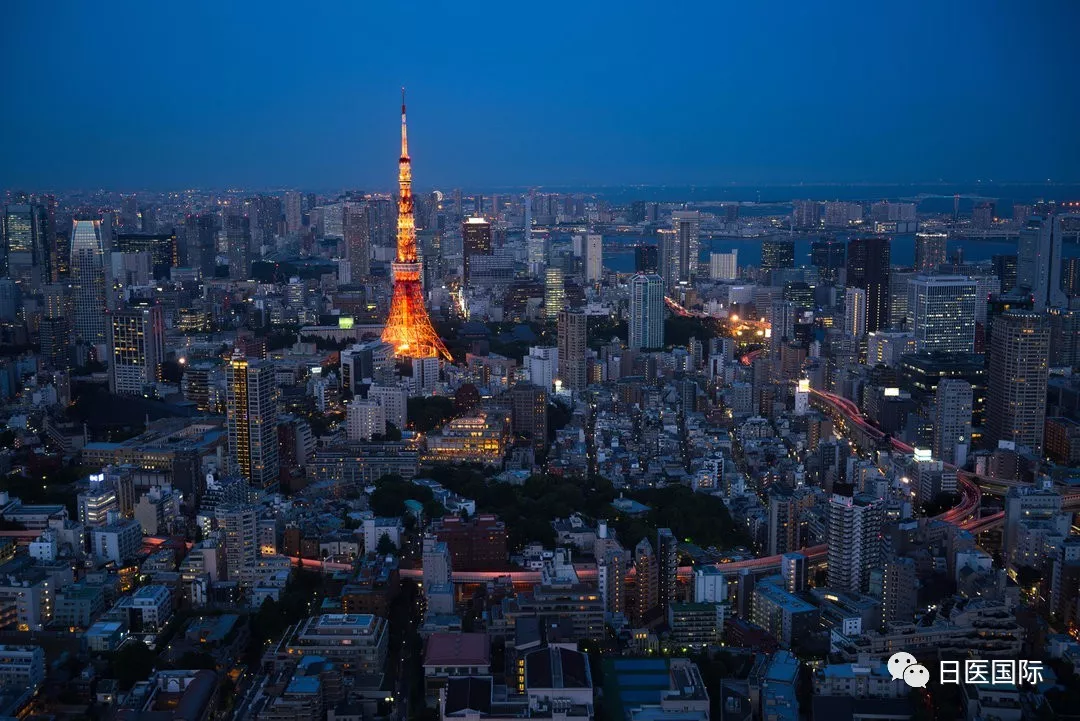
1018, 375
238, 246
687, 227
828, 257
930, 251
24, 248
129, 213
358, 239
200, 244
475, 240
777, 253
645, 259
294, 211
806, 214
55, 343
1005, 269
431, 255
1038, 265
148, 218
731, 212
268, 212
162, 248
1064, 337
1070, 276
982, 216
667, 566
637, 212
868, 268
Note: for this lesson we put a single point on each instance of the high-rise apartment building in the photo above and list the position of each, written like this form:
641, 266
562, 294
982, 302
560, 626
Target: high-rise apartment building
646, 571
724, 266
476, 240
930, 251
528, 413
687, 227
239, 523
594, 257
136, 348
573, 365
251, 410
667, 567
357, 239
646, 312
88, 281
941, 313
364, 418
953, 408
294, 211
868, 262
1016, 403
855, 313
854, 541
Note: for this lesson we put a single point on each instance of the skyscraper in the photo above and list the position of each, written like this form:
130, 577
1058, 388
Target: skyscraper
687, 227
1016, 403
941, 313
854, 541
239, 524
868, 268
573, 367
646, 259
777, 253
408, 328
646, 571
953, 406
136, 348
476, 240
1005, 269
646, 312
24, 246
528, 413
930, 251
238, 246
251, 410
855, 313
594, 257
357, 239
294, 211
200, 244
1038, 266
724, 266
88, 281
828, 257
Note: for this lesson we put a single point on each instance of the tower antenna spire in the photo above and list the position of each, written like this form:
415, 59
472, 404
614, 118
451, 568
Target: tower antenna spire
404, 135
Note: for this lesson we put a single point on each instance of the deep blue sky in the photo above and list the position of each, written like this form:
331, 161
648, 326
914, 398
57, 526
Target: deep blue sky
163, 95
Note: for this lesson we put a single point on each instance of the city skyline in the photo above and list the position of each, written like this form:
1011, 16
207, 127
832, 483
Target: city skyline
739, 111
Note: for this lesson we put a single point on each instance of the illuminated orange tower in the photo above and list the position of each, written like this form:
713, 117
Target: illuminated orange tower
408, 328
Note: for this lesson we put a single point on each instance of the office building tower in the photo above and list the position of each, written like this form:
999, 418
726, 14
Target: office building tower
1005, 267
364, 419
251, 410
554, 293
953, 408
594, 257
573, 365
806, 214
868, 268
1016, 403
54, 335
357, 239
476, 240
941, 313
777, 253
239, 525
667, 257
88, 281
136, 349
930, 251
898, 297
646, 259
1038, 265
24, 253
238, 246
828, 257
982, 216
667, 566
855, 526
724, 266
395, 402
855, 313
1064, 337
646, 312
294, 211
200, 244
528, 413
687, 227
1070, 276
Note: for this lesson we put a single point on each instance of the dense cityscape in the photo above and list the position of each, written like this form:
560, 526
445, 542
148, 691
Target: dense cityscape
397, 452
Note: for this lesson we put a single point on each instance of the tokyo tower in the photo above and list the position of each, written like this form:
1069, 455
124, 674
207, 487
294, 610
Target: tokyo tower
408, 328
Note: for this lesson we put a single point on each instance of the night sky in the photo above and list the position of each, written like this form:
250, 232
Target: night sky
168, 95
